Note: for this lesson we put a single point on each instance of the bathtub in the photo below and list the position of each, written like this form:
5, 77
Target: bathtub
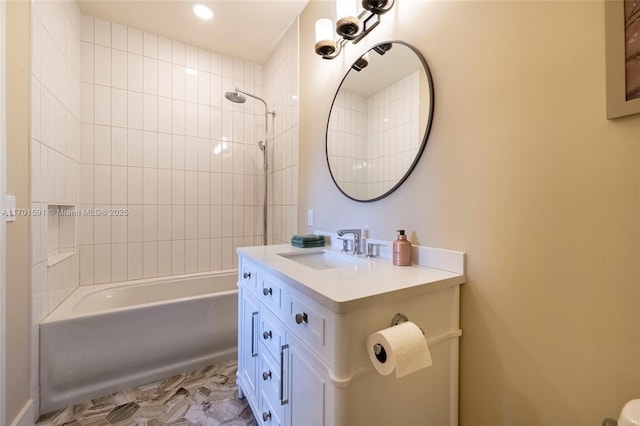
109, 337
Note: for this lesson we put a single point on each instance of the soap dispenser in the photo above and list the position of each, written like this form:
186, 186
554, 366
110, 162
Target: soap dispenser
401, 250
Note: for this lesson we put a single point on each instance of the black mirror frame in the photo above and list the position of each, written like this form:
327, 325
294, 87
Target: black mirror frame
426, 131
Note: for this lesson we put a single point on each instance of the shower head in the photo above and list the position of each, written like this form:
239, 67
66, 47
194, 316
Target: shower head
235, 97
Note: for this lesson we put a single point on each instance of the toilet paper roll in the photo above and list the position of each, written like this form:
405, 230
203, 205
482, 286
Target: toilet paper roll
402, 348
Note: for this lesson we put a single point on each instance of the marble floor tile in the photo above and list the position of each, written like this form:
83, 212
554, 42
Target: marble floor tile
203, 397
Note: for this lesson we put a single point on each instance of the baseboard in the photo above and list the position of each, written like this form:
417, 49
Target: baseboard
27, 415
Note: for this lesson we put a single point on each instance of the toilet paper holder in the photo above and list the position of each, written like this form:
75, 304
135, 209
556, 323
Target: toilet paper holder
378, 349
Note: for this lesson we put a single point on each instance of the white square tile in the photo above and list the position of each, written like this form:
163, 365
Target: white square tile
216, 124
118, 146
164, 186
178, 152
177, 257
164, 115
204, 155
134, 110
119, 185
204, 60
134, 224
191, 153
118, 36
134, 251
102, 105
150, 186
150, 223
102, 184
134, 143
190, 256
102, 144
177, 187
119, 224
191, 85
164, 79
191, 187
192, 57
178, 81
216, 189
204, 118
150, 45
204, 190
164, 151
216, 63
150, 259
227, 252
227, 189
191, 222
227, 221
164, 222
204, 217
86, 265
134, 188
118, 107
102, 32
178, 53
227, 66
150, 149
164, 49
217, 92
203, 255
204, 88
177, 222
87, 28
87, 114
101, 227
135, 42
238, 220
88, 62
119, 259
164, 258
118, 69
150, 113
150, 71
191, 119
102, 263
85, 227
135, 72
238, 70
215, 253
215, 223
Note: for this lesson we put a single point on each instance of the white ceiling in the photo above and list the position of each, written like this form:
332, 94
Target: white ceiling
246, 29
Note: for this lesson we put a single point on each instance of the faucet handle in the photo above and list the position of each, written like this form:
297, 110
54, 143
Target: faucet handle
371, 249
346, 242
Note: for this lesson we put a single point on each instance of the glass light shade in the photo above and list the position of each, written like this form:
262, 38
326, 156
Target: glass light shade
346, 8
324, 29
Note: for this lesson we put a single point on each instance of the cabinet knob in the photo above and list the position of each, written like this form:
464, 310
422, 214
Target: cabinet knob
246, 275
267, 291
266, 416
266, 375
300, 318
266, 335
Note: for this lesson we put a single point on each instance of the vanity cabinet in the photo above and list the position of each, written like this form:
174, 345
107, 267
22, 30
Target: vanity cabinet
301, 363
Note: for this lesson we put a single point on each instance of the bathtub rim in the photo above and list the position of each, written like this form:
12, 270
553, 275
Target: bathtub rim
63, 312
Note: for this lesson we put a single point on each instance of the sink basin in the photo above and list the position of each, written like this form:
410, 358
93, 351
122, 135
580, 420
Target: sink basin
324, 259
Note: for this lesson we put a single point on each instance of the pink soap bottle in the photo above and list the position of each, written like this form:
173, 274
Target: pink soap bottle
401, 250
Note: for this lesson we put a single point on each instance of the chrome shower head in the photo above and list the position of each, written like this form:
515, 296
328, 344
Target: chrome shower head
235, 97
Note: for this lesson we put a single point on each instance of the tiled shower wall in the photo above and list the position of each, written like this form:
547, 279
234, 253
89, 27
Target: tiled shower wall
171, 167
55, 157
372, 137
281, 84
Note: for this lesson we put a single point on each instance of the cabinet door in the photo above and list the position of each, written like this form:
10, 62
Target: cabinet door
304, 380
248, 343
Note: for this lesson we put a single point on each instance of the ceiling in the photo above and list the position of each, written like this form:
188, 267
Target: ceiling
246, 29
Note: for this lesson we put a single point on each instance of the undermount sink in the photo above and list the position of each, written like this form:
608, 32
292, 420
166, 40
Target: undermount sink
324, 259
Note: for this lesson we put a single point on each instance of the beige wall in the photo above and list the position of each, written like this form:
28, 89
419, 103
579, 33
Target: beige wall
18, 303
524, 173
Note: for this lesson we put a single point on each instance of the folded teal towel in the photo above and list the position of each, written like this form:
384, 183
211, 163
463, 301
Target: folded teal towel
305, 241
310, 238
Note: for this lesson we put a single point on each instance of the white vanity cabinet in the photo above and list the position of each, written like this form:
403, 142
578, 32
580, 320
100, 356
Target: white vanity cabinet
302, 360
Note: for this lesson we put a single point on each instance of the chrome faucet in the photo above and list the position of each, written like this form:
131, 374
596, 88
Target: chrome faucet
357, 236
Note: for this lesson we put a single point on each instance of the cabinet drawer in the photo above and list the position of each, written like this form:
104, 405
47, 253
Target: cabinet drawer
248, 275
270, 292
271, 333
308, 322
269, 415
269, 377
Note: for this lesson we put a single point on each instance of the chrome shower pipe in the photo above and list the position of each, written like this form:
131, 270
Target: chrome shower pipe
265, 166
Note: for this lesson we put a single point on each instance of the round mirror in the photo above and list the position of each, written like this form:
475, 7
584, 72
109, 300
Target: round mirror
379, 121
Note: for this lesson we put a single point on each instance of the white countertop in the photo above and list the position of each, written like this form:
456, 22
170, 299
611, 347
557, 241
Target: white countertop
351, 287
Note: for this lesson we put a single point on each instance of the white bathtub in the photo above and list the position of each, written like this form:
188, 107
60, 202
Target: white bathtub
106, 338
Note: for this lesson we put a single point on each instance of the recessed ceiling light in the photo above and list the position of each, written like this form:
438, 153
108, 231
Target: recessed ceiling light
202, 11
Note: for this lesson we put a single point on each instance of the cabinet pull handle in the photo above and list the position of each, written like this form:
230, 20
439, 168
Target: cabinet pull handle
300, 318
267, 291
254, 352
267, 335
246, 275
283, 379
266, 416
266, 375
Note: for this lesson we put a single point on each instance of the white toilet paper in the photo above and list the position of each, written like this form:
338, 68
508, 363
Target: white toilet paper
403, 348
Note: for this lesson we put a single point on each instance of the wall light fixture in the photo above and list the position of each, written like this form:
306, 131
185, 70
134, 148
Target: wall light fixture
349, 27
